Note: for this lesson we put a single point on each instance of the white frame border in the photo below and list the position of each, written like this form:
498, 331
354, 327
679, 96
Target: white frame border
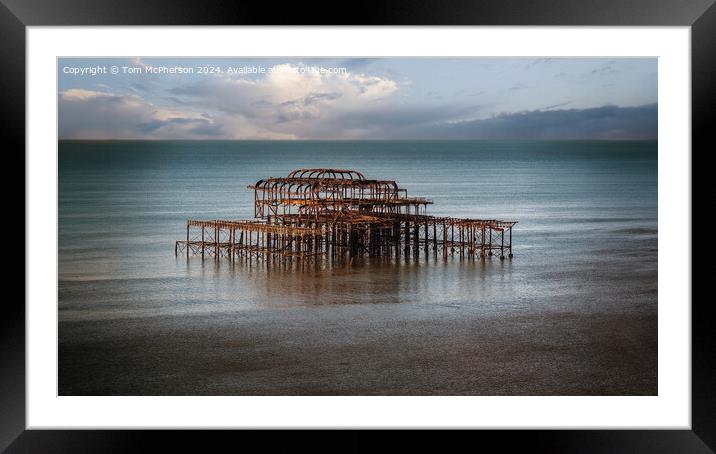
670, 409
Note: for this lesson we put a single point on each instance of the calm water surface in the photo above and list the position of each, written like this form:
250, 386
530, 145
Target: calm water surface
587, 215
586, 241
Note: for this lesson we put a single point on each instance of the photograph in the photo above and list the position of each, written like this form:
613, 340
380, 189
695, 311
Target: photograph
469, 219
357, 226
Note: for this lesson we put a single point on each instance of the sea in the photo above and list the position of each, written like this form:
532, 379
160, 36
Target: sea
585, 243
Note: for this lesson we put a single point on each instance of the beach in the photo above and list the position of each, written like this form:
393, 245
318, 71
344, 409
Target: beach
362, 350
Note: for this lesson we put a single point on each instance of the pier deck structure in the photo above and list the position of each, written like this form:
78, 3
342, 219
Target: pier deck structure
339, 214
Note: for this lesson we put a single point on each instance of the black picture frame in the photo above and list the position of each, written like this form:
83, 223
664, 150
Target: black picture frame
16, 15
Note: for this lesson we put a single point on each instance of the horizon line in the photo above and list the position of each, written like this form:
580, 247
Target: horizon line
359, 140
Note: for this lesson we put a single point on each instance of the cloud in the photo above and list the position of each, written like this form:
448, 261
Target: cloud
86, 114
293, 102
446, 123
395, 122
607, 122
290, 102
288, 89
79, 94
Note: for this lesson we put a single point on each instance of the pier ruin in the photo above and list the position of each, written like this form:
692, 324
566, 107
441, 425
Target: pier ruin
314, 214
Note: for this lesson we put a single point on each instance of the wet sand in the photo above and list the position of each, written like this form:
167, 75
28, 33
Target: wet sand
365, 349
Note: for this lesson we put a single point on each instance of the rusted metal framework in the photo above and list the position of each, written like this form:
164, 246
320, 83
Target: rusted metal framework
339, 214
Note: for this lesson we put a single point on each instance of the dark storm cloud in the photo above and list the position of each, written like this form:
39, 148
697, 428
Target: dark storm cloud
608, 122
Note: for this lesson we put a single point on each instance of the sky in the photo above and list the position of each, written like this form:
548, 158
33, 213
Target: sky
357, 98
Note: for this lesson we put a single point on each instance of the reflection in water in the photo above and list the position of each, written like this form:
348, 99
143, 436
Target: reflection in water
362, 281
